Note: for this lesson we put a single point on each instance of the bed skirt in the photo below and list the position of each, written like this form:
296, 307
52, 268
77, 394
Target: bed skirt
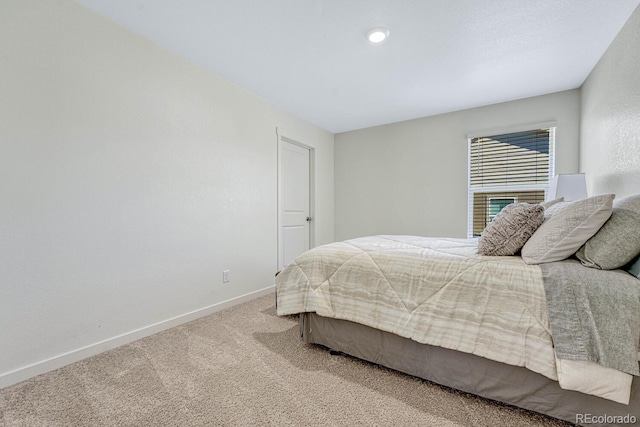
514, 385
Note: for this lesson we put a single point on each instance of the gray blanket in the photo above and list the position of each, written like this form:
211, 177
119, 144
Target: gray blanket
594, 314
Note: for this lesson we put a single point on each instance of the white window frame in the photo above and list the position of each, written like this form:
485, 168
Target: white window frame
505, 188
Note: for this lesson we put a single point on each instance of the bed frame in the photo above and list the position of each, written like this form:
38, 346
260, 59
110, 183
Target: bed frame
514, 385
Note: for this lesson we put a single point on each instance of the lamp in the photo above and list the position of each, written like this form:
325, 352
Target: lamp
571, 186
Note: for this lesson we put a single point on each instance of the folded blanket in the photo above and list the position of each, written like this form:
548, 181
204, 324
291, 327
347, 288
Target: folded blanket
594, 314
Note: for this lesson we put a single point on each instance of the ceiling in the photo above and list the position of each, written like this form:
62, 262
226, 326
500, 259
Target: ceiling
311, 57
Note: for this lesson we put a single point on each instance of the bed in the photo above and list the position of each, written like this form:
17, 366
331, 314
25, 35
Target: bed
488, 325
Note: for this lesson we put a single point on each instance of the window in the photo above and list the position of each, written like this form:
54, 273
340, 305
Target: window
507, 168
495, 205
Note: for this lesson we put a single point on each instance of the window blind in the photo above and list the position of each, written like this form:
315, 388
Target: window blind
507, 168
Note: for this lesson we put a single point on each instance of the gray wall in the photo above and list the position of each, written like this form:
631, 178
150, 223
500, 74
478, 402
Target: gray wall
411, 177
610, 122
129, 179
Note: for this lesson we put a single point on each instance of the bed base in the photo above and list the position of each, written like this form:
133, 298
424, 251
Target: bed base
514, 385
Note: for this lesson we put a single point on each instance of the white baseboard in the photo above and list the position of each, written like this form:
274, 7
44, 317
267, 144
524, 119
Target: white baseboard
56, 362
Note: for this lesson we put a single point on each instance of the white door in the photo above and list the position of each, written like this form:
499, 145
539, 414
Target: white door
293, 201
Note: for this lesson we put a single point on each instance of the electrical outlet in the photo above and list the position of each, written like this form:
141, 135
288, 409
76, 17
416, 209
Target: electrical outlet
225, 276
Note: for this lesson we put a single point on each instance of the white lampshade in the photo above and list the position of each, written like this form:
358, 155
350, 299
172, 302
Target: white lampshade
571, 186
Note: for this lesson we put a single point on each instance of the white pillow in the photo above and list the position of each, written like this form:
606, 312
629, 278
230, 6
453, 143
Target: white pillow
556, 207
566, 231
550, 203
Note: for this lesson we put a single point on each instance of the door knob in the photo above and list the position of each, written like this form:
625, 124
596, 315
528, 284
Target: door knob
308, 218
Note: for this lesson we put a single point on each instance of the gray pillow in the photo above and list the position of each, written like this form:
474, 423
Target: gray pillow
618, 241
510, 229
565, 232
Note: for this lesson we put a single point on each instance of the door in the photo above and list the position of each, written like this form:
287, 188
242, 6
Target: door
293, 200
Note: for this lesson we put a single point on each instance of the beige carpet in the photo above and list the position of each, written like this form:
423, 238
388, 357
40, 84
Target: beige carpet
243, 366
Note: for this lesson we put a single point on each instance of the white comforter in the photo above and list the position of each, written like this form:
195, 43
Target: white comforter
437, 292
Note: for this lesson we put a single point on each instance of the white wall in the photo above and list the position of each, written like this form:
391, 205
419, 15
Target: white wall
610, 122
411, 177
129, 179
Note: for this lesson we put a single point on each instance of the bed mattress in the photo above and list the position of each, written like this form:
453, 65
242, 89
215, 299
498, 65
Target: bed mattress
433, 291
439, 292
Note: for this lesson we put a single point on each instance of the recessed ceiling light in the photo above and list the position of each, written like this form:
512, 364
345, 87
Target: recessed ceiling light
377, 35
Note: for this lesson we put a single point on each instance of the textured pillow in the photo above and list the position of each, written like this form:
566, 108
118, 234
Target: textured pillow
561, 236
510, 229
618, 241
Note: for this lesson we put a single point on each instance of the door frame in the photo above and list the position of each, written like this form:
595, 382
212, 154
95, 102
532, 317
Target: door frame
292, 138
